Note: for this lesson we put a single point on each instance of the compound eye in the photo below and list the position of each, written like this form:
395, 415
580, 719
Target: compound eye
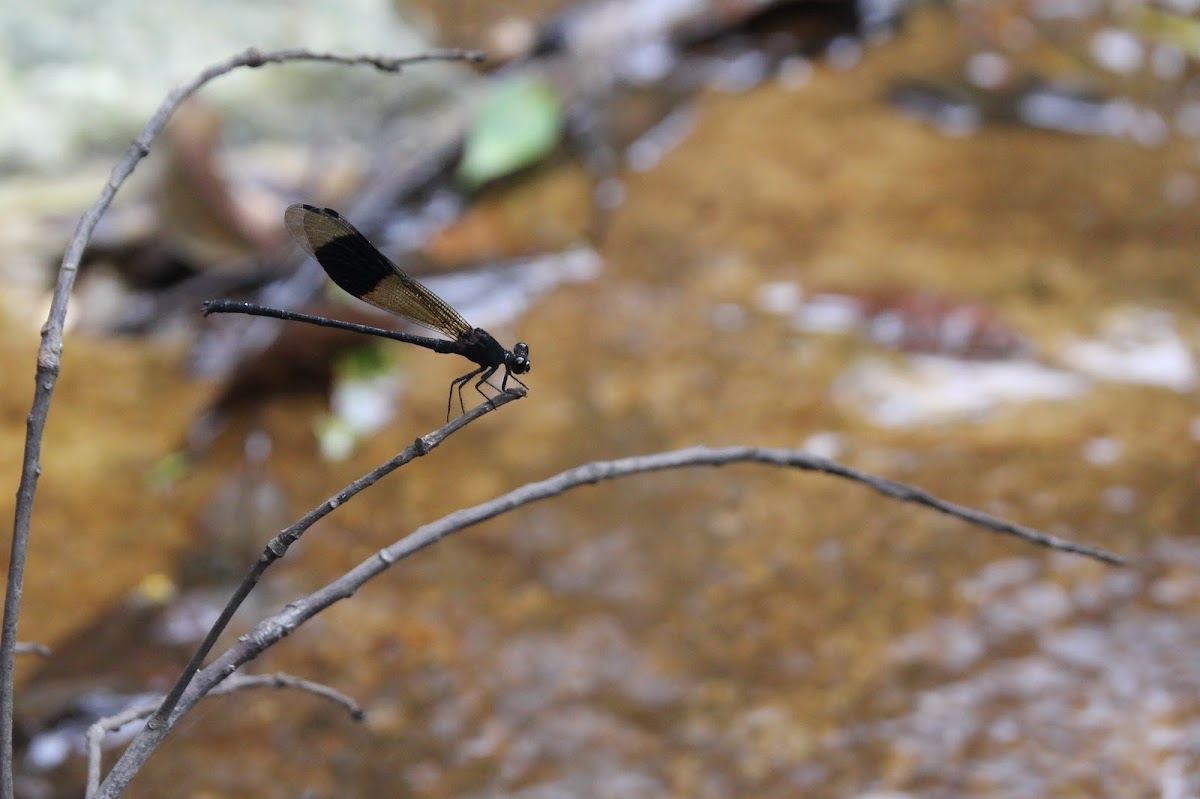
519, 362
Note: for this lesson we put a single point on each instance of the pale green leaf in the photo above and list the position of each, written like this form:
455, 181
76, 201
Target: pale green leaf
517, 125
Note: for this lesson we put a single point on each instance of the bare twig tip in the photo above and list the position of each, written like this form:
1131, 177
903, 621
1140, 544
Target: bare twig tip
26, 648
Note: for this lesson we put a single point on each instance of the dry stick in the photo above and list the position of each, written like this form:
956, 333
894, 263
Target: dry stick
50, 351
25, 648
175, 704
238, 682
278, 546
271, 630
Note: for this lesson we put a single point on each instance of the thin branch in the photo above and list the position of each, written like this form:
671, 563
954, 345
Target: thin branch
236, 682
275, 628
49, 355
26, 648
281, 680
278, 546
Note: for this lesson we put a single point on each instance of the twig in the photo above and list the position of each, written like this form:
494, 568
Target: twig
275, 628
236, 682
173, 705
50, 350
26, 648
278, 546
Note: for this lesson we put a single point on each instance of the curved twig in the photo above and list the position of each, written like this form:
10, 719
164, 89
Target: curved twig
50, 350
236, 682
278, 546
29, 648
275, 628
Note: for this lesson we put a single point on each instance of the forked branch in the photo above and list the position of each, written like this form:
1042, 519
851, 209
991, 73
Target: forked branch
50, 350
275, 628
238, 682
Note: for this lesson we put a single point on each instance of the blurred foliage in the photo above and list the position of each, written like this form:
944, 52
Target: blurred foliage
519, 122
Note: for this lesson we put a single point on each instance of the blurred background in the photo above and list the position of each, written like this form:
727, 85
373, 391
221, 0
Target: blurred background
952, 244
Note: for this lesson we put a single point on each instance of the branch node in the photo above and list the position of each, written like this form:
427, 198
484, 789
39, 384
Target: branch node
48, 359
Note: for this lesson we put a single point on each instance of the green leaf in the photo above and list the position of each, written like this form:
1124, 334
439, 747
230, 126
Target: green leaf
1164, 26
517, 125
362, 363
169, 470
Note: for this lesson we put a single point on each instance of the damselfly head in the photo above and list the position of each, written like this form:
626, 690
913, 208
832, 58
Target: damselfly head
517, 361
